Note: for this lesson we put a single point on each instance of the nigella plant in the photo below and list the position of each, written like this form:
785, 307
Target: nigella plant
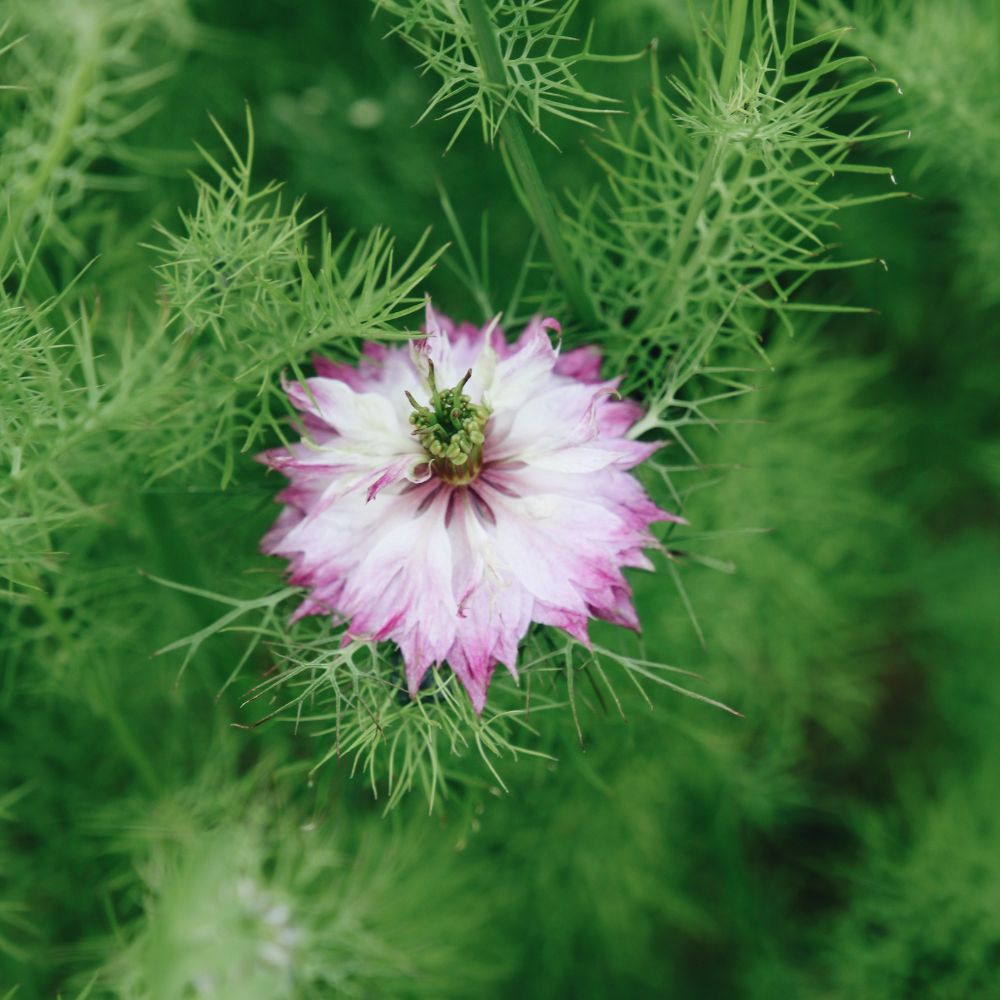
481, 558
451, 493
458, 498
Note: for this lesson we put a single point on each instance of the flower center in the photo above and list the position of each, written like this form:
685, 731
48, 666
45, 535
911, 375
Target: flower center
451, 430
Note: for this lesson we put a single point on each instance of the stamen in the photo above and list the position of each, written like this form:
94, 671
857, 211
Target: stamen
451, 430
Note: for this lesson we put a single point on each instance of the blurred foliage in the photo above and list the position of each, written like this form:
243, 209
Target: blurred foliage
243, 894
837, 585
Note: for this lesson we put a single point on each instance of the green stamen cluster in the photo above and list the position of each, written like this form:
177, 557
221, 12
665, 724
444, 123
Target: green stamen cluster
451, 430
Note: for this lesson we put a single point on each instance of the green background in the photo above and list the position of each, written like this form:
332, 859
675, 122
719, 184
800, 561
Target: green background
838, 840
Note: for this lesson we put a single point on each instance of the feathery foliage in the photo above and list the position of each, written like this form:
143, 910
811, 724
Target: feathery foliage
248, 302
710, 219
283, 904
203, 823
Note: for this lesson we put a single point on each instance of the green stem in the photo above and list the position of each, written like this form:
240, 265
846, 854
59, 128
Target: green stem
655, 301
528, 176
734, 45
75, 91
703, 183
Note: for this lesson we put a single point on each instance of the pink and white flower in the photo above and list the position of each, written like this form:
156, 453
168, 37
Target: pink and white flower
447, 520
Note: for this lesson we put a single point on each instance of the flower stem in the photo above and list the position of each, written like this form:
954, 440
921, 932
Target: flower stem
734, 44
528, 177
730, 62
74, 94
655, 303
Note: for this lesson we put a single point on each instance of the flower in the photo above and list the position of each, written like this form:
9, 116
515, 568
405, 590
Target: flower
456, 490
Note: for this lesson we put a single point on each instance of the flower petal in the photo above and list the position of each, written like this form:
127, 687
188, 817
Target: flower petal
456, 573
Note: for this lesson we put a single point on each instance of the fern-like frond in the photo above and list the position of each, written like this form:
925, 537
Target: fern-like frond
540, 61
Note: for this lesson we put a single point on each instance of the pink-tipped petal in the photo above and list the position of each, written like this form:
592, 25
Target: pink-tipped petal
455, 572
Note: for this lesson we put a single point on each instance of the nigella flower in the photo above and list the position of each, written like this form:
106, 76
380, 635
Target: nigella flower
455, 490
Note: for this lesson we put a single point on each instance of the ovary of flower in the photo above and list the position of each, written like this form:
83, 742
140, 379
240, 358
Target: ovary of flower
452, 492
